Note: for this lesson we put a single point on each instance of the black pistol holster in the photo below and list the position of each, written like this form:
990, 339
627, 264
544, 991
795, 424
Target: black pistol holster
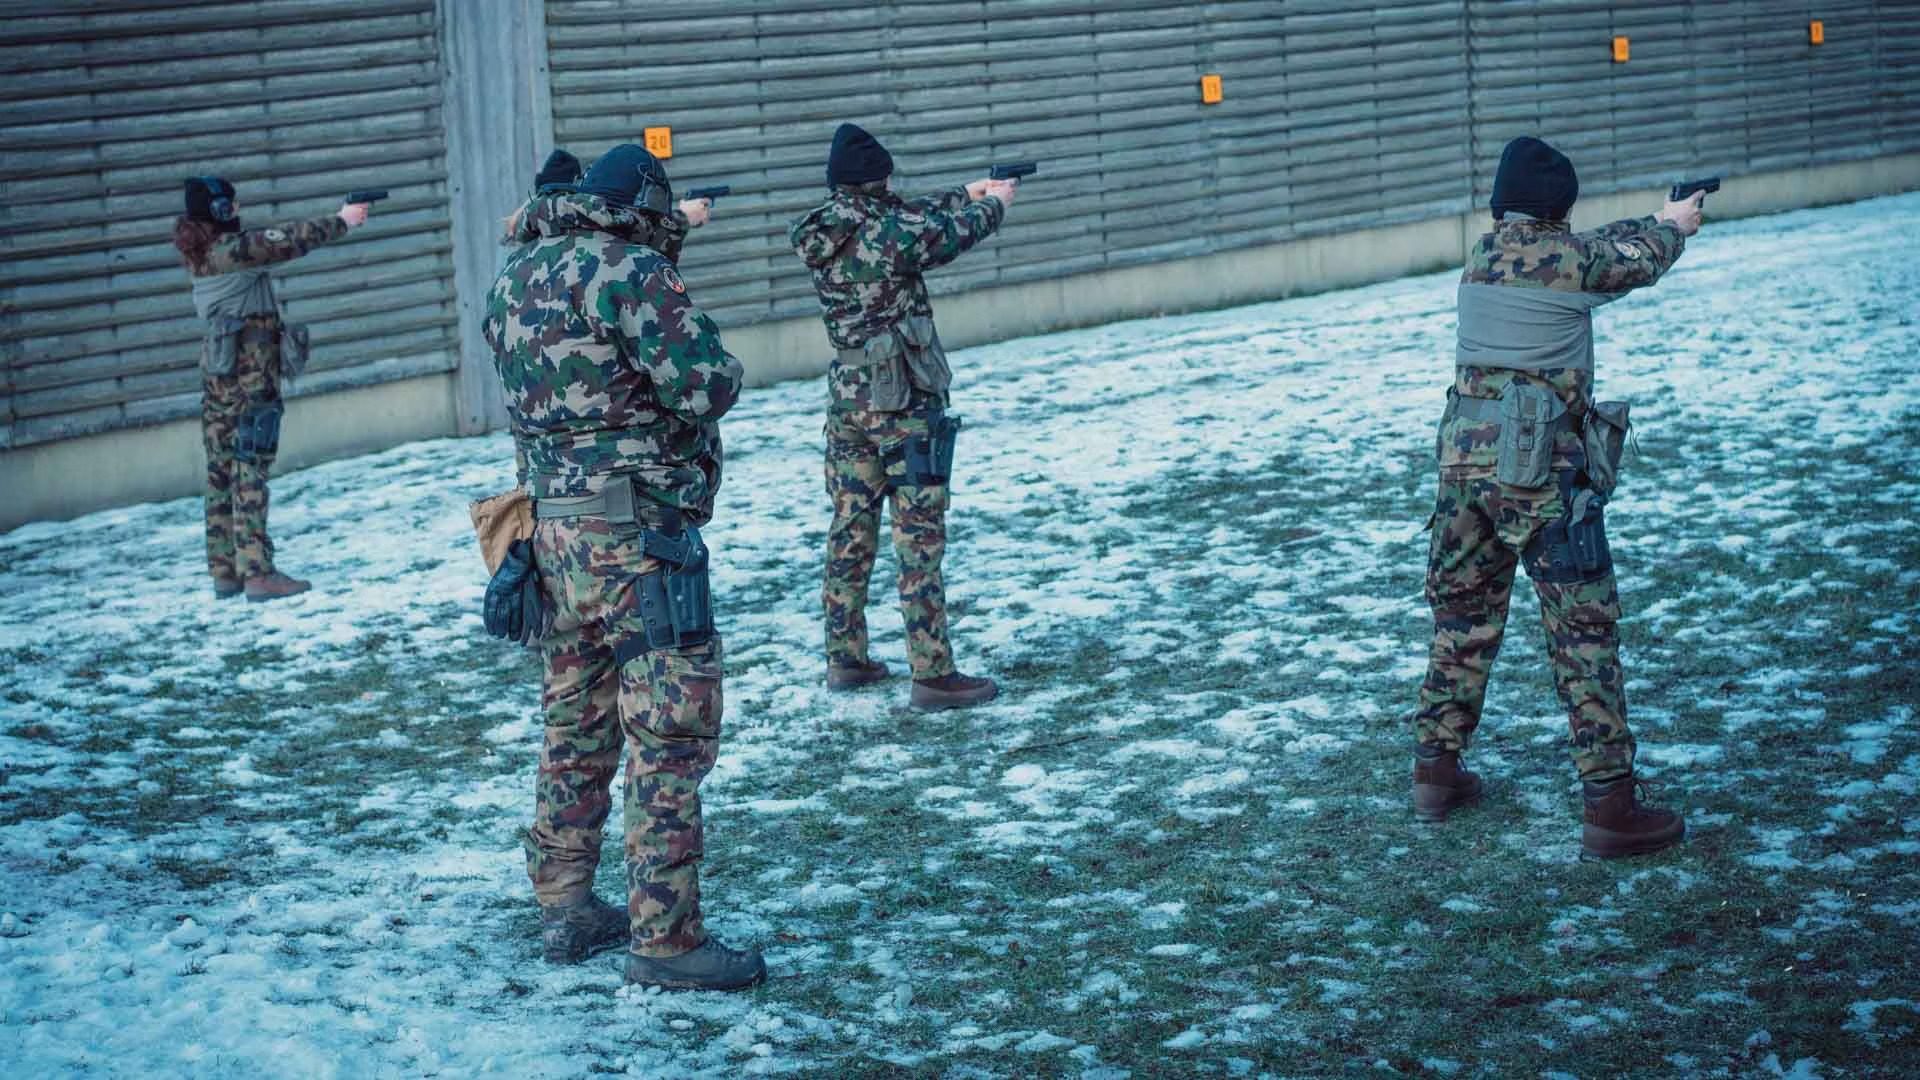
258, 434
929, 458
676, 600
1573, 547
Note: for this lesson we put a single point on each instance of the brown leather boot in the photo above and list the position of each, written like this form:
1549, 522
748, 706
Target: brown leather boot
224, 587
1440, 784
273, 586
955, 691
1619, 824
852, 678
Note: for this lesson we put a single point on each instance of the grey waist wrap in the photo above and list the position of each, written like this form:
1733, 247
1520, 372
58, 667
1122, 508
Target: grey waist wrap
1522, 329
234, 295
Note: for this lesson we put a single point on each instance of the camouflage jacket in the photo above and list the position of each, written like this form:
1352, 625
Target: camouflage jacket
667, 238
868, 251
252, 249
609, 366
1584, 270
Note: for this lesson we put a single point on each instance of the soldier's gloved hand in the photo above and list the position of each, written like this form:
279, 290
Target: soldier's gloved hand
1685, 214
697, 211
978, 189
536, 615
1003, 190
354, 214
504, 608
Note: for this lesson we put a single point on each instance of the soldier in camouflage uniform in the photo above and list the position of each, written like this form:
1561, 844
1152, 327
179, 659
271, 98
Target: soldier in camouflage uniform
616, 381
560, 175
888, 437
242, 365
1525, 467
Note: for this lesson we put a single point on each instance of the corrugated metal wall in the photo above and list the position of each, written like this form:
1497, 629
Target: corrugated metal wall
1732, 88
1337, 115
109, 104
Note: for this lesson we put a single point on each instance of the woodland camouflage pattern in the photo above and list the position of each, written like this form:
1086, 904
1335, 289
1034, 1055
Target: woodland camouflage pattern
1530, 254
858, 480
1481, 527
665, 706
666, 237
236, 494
867, 249
609, 366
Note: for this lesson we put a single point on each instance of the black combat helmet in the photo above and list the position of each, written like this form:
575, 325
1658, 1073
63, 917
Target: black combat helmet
629, 176
1534, 179
210, 199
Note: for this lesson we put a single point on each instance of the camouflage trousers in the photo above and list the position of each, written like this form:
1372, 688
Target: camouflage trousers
1481, 528
664, 706
236, 494
863, 468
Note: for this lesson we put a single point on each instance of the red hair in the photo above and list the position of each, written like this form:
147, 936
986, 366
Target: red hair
193, 239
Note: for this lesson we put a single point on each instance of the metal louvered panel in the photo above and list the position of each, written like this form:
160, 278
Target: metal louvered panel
1897, 101
111, 103
1334, 112
1708, 88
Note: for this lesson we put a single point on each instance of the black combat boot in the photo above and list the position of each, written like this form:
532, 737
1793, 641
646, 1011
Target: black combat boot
852, 678
1618, 824
573, 932
955, 691
712, 966
1441, 784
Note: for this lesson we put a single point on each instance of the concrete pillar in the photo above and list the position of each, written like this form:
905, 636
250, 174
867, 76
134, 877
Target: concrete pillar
498, 112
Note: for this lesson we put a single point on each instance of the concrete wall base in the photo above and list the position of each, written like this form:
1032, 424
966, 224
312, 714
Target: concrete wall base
58, 480
65, 479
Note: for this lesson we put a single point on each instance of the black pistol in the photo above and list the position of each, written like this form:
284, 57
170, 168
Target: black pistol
1685, 188
366, 195
1012, 170
711, 194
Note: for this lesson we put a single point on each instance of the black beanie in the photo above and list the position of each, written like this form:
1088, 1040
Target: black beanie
560, 173
857, 157
629, 176
210, 199
1534, 179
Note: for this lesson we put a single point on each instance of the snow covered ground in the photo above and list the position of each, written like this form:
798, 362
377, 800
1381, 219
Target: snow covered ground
283, 839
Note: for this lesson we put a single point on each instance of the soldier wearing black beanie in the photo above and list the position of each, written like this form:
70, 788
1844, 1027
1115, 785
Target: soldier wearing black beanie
1534, 179
1526, 461
857, 157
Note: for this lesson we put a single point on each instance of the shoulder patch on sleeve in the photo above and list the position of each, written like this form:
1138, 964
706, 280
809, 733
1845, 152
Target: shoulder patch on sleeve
1631, 251
672, 277
276, 236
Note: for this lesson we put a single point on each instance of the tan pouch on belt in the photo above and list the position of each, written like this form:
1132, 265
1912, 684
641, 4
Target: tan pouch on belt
499, 521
